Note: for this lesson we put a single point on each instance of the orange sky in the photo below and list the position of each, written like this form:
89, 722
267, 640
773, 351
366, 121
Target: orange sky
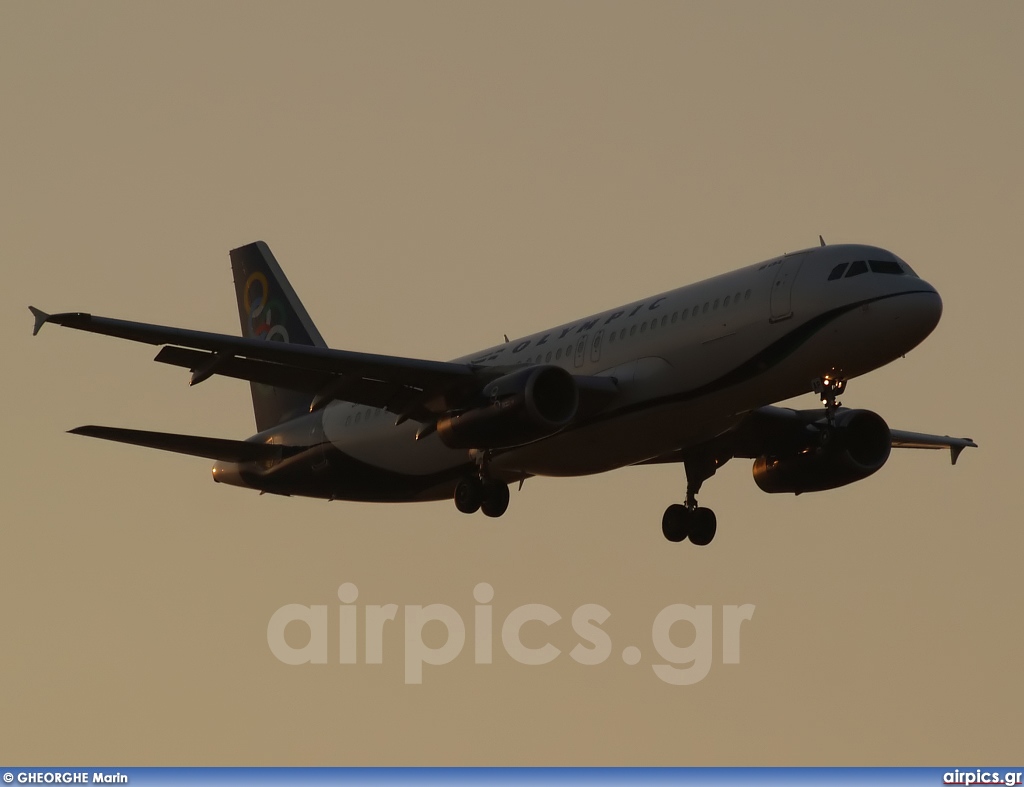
432, 176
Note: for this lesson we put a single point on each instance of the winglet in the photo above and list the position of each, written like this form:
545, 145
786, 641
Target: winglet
41, 319
956, 450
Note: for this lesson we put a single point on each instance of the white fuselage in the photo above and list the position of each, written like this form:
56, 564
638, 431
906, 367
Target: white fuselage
688, 363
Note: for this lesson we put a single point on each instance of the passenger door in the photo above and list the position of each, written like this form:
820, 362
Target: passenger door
782, 288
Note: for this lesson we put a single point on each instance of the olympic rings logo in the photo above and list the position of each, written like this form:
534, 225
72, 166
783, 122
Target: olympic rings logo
262, 310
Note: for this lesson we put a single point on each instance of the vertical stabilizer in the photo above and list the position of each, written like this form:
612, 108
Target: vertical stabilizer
269, 309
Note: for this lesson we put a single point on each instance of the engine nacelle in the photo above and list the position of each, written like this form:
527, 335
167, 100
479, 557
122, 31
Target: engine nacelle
521, 407
855, 447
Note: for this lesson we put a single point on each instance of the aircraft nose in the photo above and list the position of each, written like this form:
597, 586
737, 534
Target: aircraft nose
930, 308
921, 311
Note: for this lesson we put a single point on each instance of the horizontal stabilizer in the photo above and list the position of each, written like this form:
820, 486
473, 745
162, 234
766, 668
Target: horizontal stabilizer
209, 447
40, 317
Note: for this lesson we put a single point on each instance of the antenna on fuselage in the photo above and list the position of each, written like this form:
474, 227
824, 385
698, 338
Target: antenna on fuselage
822, 240
506, 337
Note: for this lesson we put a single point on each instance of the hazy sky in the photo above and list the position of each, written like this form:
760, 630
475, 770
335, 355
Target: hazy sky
431, 176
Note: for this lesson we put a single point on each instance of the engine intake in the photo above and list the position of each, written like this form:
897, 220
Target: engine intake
857, 445
521, 407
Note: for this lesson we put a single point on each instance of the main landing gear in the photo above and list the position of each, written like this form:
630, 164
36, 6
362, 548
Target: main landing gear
689, 520
474, 494
481, 493
698, 524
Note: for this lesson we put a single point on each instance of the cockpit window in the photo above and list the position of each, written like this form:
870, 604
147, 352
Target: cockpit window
857, 268
886, 266
906, 268
837, 272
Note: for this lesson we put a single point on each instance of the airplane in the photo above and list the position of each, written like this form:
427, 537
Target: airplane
688, 376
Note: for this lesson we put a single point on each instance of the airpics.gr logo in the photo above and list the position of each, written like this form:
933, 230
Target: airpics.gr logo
263, 311
536, 623
979, 776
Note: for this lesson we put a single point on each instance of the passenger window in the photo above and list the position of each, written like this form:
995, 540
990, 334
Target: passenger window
611, 337
348, 420
675, 317
886, 266
547, 359
707, 305
736, 298
716, 304
747, 296
696, 310
643, 327
558, 354
622, 334
632, 330
664, 321
359, 417
856, 269
725, 304
683, 317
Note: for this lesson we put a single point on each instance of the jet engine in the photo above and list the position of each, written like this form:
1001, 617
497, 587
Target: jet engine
518, 408
852, 448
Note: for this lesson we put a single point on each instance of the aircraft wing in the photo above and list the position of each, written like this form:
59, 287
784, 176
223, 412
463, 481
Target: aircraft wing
376, 380
411, 388
769, 430
956, 445
768, 426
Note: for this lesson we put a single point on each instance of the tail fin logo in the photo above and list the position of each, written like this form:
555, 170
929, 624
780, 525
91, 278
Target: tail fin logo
265, 316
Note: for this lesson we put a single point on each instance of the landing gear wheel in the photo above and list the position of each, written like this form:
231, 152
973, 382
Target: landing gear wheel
495, 498
675, 523
469, 495
680, 522
703, 527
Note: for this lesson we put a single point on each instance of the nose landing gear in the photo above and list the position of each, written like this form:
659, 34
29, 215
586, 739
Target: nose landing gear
828, 388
